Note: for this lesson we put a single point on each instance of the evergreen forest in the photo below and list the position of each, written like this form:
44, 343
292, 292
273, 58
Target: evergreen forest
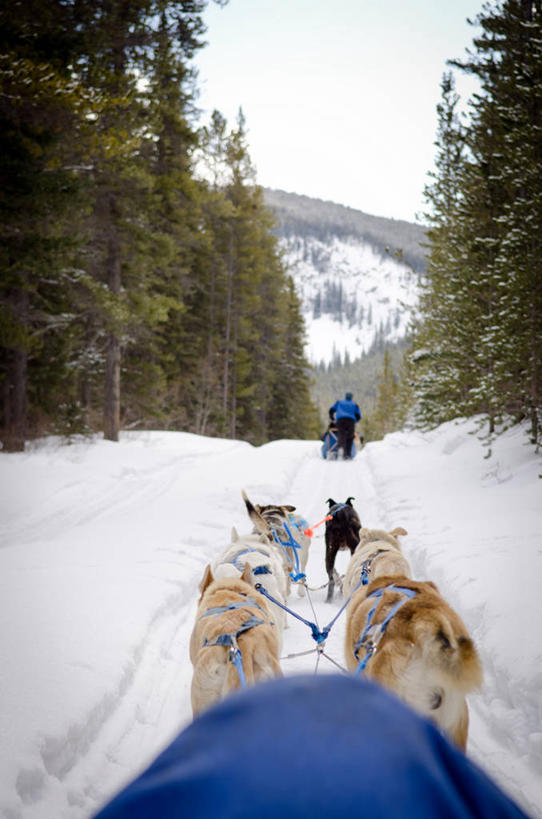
141, 282
478, 338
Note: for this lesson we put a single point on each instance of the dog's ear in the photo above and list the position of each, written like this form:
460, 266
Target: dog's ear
206, 580
348, 500
247, 575
288, 508
331, 502
432, 585
398, 531
234, 535
257, 519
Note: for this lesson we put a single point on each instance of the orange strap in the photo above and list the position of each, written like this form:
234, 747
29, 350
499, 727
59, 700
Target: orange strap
310, 531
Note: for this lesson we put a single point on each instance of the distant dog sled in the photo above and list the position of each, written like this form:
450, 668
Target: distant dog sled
330, 444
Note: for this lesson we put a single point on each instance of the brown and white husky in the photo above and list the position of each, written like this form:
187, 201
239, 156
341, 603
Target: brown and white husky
425, 654
230, 608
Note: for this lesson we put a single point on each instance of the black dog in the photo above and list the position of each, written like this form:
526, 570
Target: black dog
342, 532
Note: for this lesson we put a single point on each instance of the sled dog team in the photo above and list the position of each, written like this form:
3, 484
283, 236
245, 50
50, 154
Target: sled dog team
399, 631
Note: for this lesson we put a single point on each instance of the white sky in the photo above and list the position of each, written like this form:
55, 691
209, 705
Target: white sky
339, 95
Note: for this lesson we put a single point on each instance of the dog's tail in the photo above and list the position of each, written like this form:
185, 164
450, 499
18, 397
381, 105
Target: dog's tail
259, 661
454, 653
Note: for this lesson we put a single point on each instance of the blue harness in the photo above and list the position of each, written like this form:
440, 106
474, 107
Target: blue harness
318, 635
295, 574
337, 508
366, 566
372, 634
230, 640
262, 569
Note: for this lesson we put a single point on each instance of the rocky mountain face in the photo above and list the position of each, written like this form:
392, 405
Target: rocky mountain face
357, 275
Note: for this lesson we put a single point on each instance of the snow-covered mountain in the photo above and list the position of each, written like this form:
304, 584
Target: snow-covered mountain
352, 297
356, 275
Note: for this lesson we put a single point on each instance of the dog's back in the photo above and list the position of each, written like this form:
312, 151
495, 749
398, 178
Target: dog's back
343, 529
378, 553
226, 607
265, 564
426, 655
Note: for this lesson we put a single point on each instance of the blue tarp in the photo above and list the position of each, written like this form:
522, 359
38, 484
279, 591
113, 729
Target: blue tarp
330, 448
332, 745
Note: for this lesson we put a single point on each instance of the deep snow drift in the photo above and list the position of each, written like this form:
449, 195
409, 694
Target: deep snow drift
103, 546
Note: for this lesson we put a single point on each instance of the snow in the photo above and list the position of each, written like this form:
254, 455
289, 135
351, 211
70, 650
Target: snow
379, 295
103, 546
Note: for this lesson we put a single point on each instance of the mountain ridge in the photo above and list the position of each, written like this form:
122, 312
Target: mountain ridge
301, 215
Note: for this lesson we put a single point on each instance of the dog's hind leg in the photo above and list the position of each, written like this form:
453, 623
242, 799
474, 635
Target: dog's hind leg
461, 729
331, 553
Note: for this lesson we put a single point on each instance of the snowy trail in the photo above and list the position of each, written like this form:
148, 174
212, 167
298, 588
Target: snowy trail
489, 745
315, 482
106, 544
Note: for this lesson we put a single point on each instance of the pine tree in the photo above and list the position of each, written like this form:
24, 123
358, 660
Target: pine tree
251, 334
441, 368
292, 411
41, 108
142, 223
165, 355
480, 336
390, 406
507, 145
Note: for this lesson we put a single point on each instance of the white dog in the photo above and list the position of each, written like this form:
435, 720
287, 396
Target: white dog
265, 564
378, 553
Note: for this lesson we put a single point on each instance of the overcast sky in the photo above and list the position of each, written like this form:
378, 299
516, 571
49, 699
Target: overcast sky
339, 95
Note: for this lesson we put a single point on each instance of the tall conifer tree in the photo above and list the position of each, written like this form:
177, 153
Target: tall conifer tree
494, 286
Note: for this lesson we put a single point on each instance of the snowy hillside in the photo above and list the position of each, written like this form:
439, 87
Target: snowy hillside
356, 274
104, 545
352, 296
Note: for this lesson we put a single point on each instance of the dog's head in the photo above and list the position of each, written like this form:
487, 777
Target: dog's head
227, 581
348, 502
373, 535
343, 514
268, 517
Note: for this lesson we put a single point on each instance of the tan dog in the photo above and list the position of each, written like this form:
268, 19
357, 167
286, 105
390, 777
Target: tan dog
230, 610
378, 553
271, 519
424, 655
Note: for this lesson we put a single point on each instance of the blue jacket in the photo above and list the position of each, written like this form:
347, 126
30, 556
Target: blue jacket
312, 745
343, 408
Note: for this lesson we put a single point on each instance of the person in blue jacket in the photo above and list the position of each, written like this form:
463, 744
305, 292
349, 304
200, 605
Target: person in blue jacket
306, 746
345, 412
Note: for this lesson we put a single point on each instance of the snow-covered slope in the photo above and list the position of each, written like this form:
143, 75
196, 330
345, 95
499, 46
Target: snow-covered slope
353, 272
103, 546
352, 296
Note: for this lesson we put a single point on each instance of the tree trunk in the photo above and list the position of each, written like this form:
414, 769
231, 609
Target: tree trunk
227, 331
15, 386
112, 360
15, 402
112, 389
